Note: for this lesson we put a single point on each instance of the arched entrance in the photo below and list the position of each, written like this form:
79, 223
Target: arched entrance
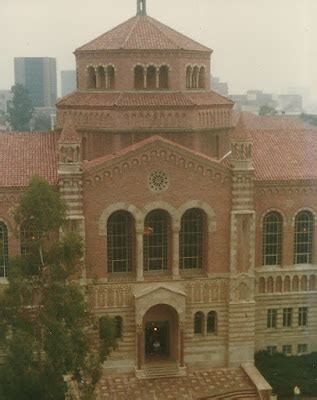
161, 334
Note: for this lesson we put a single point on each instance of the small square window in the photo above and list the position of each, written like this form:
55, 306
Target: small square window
271, 350
302, 349
287, 349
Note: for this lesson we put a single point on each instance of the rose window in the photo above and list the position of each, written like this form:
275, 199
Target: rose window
158, 181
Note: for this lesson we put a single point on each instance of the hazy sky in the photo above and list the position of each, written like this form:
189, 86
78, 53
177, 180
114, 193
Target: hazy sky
258, 44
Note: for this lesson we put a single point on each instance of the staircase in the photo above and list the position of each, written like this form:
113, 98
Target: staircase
161, 370
234, 395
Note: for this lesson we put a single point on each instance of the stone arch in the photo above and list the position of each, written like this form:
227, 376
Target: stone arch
278, 284
269, 210
202, 77
287, 284
118, 207
303, 283
91, 77
163, 77
195, 77
189, 76
151, 77
295, 284
162, 205
139, 77
210, 213
110, 77
309, 209
8, 226
101, 77
312, 283
270, 285
262, 285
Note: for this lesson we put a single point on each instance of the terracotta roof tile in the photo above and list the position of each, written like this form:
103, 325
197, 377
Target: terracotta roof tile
24, 154
142, 33
284, 147
143, 99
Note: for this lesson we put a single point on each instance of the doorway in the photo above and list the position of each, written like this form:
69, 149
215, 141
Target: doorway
157, 340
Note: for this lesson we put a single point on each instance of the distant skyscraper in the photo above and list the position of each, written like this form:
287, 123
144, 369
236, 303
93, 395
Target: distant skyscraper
68, 82
38, 75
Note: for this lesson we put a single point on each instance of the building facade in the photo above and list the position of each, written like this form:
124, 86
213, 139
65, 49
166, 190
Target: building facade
199, 223
38, 75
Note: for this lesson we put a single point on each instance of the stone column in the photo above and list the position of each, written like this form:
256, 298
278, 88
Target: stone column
139, 256
157, 83
175, 259
181, 345
97, 78
106, 78
140, 347
144, 79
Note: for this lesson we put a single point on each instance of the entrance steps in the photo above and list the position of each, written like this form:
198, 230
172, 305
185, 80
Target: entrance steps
161, 370
235, 395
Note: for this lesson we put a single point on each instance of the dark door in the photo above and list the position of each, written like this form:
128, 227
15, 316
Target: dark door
157, 339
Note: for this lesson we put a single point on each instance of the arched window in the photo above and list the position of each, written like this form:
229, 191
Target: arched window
262, 285
4, 252
270, 285
303, 242
295, 284
195, 77
202, 78
28, 238
287, 284
111, 77
211, 322
272, 239
278, 284
118, 326
163, 77
199, 323
91, 78
101, 77
303, 283
139, 77
191, 239
156, 238
189, 77
119, 242
312, 282
151, 77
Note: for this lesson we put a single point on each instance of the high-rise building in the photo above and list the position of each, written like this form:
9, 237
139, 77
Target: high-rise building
68, 79
38, 75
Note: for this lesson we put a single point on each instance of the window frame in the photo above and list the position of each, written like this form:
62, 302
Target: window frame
271, 318
304, 237
199, 318
303, 317
272, 238
287, 317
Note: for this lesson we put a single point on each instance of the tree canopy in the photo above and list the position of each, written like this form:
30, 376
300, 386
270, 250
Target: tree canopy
266, 109
20, 109
46, 327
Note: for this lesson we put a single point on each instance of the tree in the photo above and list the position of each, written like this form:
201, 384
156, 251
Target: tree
284, 372
20, 109
309, 118
266, 109
45, 323
41, 122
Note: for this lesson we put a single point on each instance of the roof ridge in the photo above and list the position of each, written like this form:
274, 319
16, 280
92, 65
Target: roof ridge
131, 31
103, 34
159, 24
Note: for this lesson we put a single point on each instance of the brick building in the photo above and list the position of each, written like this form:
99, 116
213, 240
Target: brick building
199, 223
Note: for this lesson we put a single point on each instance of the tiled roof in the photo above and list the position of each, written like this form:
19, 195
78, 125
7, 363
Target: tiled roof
284, 147
142, 33
142, 99
24, 154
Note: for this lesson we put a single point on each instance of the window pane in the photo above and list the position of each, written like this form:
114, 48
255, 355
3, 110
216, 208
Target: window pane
191, 239
303, 238
272, 239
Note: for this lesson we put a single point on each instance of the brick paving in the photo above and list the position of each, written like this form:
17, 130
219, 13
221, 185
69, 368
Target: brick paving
195, 385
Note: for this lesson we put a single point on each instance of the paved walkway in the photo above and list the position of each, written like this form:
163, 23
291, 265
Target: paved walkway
195, 385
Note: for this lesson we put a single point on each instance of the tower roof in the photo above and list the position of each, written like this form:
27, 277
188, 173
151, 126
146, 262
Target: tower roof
142, 33
240, 131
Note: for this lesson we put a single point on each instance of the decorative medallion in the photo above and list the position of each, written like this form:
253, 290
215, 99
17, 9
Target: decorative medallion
158, 181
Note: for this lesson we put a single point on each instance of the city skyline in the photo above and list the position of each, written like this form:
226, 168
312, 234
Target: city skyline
269, 45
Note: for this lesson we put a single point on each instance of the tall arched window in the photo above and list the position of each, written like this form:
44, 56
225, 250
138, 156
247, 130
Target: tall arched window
101, 77
28, 238
211, 322
195, 77
156, 238
91, 78
163, 77
111, 77
272, 239
303, 243
189, 77
118, 326
139, 77
191, 239
202, 78
119, 242
151, 77
199, 323
4, 252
